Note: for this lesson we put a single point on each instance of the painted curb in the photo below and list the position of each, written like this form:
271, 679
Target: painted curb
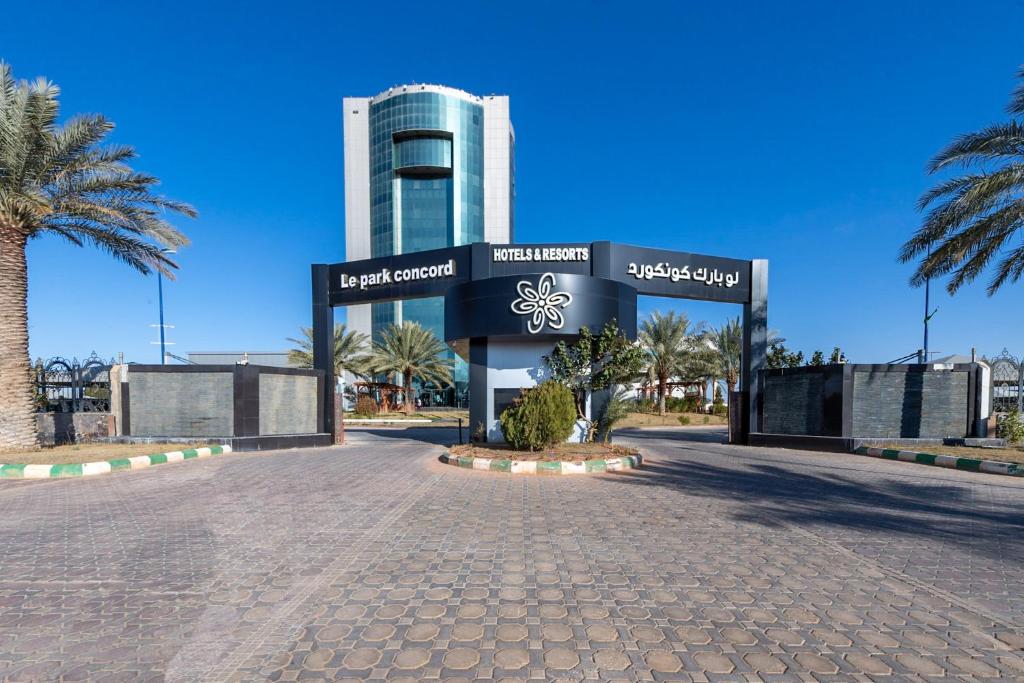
382, 421
88, 469
595, 466
949, 461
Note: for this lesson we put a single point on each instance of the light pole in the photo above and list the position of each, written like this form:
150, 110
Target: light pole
927, 313
160, 296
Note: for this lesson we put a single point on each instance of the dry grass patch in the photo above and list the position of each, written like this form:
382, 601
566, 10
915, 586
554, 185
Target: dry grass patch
1011, 454
565, 452
669, 420
87, 452
425, 414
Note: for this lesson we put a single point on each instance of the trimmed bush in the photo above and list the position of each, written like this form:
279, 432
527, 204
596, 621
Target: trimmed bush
1011, 428
540, 418
684, 419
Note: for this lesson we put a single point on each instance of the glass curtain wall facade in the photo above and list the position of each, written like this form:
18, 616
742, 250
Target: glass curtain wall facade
426, 166
426, 191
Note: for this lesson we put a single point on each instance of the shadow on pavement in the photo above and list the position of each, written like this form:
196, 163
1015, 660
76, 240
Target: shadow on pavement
870, 502
441, 436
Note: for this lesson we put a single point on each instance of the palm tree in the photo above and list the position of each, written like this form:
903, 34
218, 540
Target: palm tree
723, 347
349, 350
723, 351
666, 340
412, 351
58, 179
975, 218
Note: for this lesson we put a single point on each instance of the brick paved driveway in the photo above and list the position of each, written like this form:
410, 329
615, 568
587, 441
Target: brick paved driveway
375, 562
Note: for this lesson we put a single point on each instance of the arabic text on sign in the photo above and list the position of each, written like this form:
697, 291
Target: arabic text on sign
666, 271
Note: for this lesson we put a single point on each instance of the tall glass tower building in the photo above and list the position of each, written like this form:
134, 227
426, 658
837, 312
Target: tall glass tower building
426, 166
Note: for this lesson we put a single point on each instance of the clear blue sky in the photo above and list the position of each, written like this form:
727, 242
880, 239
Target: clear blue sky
796, 132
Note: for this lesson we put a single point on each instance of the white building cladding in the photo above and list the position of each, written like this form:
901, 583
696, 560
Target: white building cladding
426, 166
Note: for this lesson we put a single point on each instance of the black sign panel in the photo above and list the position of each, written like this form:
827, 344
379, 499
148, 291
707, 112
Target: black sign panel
659, 272
406, 276
537, 306
656, 272
517, 259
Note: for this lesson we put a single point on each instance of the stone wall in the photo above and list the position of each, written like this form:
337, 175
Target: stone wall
808, 403
215, 401
910, 405
287, 404
60, 428
181, 404
870, 401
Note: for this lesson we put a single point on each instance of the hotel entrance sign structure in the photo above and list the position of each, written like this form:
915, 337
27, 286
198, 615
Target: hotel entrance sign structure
503, 302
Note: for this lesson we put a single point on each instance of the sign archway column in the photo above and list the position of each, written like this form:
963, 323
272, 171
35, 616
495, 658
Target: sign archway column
323, 342
755, 345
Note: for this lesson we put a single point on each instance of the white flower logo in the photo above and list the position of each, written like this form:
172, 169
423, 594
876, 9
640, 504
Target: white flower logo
541, 303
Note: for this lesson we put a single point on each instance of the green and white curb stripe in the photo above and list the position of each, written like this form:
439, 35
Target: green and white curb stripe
88, 469
950, 461
617, 464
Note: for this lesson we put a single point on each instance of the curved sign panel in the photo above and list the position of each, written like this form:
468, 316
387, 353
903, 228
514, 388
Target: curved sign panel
537, 306
656, 272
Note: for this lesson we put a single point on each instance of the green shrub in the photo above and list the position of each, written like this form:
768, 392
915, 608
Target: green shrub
1011, 428
706, 419
687, 404
540, 418
684, 419
720, 409
646, 405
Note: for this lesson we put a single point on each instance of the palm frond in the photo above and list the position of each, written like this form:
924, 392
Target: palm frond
411, 349
1010, 269
350, 350
971, 220
997, 142
1016, 106
60, 179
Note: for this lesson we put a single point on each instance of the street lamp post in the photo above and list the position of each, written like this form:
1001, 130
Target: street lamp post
928, 313
160, 296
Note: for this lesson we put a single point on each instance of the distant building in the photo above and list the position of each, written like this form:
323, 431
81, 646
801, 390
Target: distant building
426, 167
273, 358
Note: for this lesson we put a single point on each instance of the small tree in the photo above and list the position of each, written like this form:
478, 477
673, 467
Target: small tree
780, 357
594, 363
817, 358
540, 417
837, 356
615, 410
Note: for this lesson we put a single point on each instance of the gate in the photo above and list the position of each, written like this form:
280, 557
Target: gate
70, 386
1007, 384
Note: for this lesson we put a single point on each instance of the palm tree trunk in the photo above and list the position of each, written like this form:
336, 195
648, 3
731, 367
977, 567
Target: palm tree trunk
662, 388
407, 378
17, 411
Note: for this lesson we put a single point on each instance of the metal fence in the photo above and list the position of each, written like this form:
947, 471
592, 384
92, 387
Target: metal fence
73, 386
1007, 383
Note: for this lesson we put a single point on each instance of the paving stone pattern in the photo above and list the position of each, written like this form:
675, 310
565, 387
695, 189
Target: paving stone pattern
375, 562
